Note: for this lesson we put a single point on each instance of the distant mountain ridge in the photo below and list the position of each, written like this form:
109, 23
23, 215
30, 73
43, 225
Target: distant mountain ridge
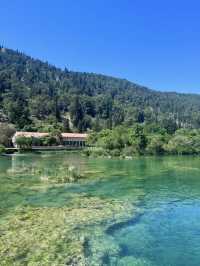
36, 94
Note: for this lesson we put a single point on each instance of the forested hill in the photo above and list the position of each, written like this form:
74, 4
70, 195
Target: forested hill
35, 95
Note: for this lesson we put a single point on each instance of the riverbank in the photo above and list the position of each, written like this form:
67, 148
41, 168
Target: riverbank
98, 152
13, 150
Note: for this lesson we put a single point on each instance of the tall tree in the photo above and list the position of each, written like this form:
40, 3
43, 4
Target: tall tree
77, 113
16, 107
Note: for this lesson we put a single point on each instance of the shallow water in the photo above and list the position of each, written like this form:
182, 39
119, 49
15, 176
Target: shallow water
166, 230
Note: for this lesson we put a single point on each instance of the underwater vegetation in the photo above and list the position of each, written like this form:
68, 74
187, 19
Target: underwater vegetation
62, 174
61, 235
49, 217
112, 213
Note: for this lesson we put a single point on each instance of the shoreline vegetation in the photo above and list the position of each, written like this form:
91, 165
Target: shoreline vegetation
122, 142
141, 140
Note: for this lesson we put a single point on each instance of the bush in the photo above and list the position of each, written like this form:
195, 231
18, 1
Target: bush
87, 152
180, 144
48, 141
99, 152
156, 144
115, 153
24, 143
128, 151
36, 141
6, 133
2, 149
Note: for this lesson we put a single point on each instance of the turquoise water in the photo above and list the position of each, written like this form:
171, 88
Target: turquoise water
166, 230
168, 233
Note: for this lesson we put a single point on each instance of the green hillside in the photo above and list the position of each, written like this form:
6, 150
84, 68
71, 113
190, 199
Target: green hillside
35, 96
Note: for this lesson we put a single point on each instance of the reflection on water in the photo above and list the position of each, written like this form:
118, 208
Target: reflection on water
166, 190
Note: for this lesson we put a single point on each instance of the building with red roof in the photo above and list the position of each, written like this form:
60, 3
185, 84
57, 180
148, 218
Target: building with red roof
68, 139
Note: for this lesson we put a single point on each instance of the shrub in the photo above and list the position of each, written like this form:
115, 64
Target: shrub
99, 152
87, 152
156, 144
48, 141
24, 143
180, 144
128, 151
6, 133
115, 153
2, 149
36, 141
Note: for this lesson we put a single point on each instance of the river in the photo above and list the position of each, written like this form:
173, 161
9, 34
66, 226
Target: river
144, 211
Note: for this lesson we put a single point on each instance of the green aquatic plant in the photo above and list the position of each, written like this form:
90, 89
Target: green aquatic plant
58, 235
63, 174
67, 174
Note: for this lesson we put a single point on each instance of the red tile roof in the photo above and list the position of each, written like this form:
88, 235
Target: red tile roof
40, 135
74, 135
30, 134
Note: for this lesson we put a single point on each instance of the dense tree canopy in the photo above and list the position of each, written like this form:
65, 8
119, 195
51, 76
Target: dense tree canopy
35, 95
141, 140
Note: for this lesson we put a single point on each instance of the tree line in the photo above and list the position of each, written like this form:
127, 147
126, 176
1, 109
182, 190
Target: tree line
36, 96
143, 140
123, 117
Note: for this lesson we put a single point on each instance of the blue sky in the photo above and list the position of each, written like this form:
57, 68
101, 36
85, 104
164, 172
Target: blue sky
154, 43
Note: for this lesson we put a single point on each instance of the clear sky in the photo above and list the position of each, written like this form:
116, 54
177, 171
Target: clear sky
152, 42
